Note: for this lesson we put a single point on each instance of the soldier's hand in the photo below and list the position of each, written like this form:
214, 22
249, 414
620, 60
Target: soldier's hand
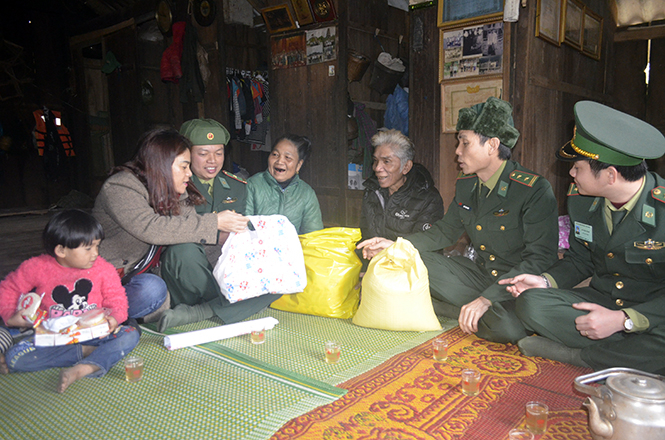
471, 314
600, 322
229, 221
518, 284
373, 246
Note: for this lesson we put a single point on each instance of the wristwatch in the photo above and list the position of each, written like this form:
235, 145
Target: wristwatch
627, 323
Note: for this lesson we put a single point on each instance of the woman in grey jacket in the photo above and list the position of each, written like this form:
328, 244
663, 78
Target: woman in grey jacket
279, 190
148, 201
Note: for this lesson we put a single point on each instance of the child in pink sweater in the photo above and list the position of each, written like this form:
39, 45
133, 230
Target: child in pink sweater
73, 279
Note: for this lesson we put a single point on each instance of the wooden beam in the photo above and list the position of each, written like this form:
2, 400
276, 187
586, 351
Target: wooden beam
640, 33
560, 86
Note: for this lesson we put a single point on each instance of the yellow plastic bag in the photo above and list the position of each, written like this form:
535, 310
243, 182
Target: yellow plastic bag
333, 270
396, 292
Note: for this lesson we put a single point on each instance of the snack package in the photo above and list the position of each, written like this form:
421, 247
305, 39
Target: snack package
72, 329
28, 304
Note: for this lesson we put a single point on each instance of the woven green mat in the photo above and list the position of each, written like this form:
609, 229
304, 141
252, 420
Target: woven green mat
184, 394
228, 389
296, 344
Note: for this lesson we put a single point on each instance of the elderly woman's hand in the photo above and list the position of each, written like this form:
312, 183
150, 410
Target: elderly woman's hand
230, 221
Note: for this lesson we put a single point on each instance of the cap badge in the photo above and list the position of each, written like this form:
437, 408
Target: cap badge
210, 136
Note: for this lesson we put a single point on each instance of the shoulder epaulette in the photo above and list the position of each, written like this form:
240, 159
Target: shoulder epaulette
461, 175
524, 178
234, 177
572, 190
658, 193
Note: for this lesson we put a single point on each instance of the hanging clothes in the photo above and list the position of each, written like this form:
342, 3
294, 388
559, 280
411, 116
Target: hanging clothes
191, 85
54, 143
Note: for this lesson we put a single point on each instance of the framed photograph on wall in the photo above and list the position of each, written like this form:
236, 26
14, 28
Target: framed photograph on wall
303, 13
574, 23
465, 93
455, 13
471, 51
593, 34
278, 18
548, 21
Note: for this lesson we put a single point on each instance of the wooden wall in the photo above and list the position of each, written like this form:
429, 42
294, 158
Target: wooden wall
541, 80
307, 101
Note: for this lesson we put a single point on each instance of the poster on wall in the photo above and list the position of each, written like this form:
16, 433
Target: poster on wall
288, 51
321, 45
472, 51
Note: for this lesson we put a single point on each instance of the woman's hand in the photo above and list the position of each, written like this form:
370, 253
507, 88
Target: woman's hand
230, 221
373, 246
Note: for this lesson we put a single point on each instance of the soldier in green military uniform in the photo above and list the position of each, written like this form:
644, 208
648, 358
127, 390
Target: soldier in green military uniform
509, 213
187, 268
617, 213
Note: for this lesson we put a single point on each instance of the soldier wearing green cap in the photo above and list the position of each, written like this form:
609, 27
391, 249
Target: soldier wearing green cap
187, 268
617, 210
508, 211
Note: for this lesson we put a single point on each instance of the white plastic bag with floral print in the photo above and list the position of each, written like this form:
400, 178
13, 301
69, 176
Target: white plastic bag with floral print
267, 260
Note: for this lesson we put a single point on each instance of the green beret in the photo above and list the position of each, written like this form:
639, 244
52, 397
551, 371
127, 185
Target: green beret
205, 132
492, 118
612, 137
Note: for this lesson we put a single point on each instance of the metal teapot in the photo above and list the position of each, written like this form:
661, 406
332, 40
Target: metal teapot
631, 404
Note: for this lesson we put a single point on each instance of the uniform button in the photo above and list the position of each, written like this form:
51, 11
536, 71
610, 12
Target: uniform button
619, 285
494, 273
214, 212
648, 261
616, 274
586, 244
482, 247
503, 228
619, 302
610, 255
479, 228
492, 258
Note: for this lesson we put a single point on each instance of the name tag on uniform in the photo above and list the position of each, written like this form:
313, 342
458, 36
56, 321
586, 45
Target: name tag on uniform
584, 231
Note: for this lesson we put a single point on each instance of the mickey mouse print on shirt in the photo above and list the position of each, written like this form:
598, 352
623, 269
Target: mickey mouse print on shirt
71, 303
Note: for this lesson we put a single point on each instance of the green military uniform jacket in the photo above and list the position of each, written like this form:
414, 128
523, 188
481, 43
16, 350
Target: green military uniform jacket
627, 271
229, 193
628, 266
514, 230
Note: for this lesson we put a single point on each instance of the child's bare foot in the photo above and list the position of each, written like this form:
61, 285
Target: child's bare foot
4, 369
70, 375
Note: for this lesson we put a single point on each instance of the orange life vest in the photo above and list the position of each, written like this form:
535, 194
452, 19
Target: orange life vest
40, 133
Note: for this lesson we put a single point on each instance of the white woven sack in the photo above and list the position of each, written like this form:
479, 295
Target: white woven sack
267, 260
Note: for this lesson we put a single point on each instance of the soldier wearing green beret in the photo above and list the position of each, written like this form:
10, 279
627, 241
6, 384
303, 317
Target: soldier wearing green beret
617, 213
187, 268
508, 211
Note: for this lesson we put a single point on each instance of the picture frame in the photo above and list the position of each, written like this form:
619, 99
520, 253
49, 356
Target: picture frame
465, 93
278, 18
593, 34
573, 23
288, 51
549, 23
303, 12
475, 50
455, 13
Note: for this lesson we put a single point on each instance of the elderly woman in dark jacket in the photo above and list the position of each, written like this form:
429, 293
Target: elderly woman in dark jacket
400, 197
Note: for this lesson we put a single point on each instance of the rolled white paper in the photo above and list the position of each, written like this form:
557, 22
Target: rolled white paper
181, 340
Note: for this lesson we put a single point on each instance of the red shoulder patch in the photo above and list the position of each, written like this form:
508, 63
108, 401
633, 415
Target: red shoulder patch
658, 193
572, 190
234, 177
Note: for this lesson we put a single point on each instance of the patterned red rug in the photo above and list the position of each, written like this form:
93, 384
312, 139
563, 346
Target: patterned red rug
412, 397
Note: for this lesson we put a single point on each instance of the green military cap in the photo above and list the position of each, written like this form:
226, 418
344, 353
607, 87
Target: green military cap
492, 118
610, 136
205, 132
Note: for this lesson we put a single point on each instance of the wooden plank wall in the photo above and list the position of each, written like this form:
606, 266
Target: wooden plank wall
546, 82
308, 101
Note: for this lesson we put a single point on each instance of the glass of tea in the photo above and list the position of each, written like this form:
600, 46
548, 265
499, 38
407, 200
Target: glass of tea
471, 382
332, 352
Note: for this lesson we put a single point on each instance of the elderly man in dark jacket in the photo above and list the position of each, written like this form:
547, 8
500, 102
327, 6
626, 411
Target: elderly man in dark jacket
400, 197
